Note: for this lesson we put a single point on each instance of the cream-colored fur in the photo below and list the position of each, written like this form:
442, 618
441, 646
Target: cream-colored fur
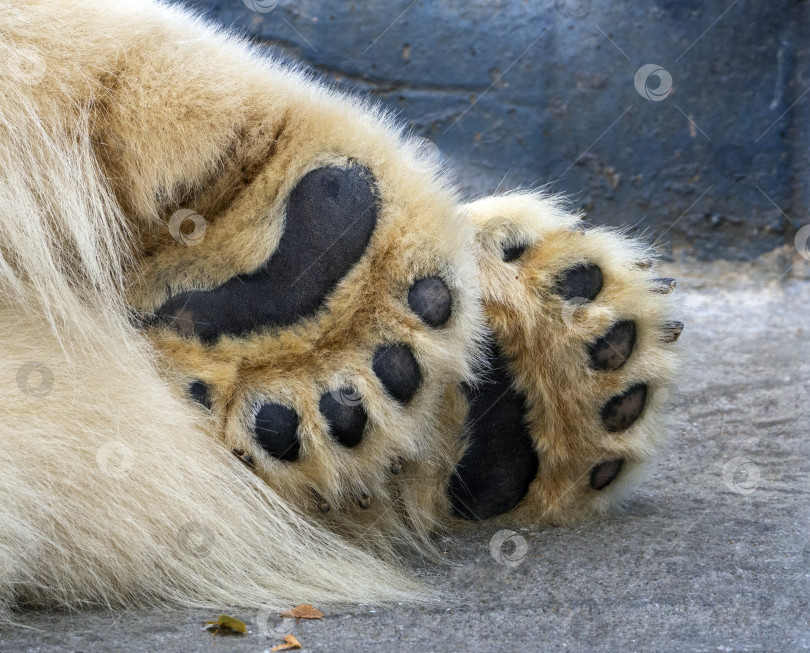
114, 488
113, 115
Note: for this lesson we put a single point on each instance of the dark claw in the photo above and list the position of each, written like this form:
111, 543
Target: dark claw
396, 467
646, 264
671, 331
664, 286
323, 504
364, 501
244, 457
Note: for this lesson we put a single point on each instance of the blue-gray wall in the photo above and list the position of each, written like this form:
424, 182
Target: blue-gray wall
528, 92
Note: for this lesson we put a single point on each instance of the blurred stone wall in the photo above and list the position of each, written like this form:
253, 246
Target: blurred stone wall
688, 121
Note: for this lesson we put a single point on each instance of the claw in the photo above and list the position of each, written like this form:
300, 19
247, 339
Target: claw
646, 264
364, 501
244, 457
664, 286
671, 331
396, 467
323, 504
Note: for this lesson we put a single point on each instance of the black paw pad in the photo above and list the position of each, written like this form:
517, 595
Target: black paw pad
430, 299
613, 349
276, 429
344, 413
331, 215
513, 252
623, 410
201, 393
583, 280
604, 474
500, 461
397, 369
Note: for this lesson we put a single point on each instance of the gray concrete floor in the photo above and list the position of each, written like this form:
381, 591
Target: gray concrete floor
712, 554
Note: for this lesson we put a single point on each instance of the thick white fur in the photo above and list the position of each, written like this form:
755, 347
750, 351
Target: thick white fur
109, 491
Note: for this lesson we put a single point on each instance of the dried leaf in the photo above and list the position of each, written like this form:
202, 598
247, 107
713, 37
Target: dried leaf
303, 611
291, 644
226, 625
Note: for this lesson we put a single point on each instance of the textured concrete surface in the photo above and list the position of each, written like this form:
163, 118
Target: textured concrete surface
712, 554
527, 92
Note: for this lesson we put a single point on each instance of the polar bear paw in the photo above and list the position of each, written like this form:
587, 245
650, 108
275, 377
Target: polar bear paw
581, 365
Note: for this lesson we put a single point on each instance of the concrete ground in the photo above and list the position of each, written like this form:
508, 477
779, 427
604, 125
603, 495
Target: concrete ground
712, 554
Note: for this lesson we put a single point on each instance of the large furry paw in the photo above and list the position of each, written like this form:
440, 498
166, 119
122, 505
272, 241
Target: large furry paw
323, 313
581, 365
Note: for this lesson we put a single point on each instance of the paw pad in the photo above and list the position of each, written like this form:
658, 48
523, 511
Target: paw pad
583, 280
344, 413
200, 392
613, 349
513, 252
331, 215
500, 461
396, 367
623, 410
276, 429
604, 474
430, 299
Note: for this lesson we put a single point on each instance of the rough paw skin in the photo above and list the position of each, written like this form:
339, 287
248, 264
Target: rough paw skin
253, 343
